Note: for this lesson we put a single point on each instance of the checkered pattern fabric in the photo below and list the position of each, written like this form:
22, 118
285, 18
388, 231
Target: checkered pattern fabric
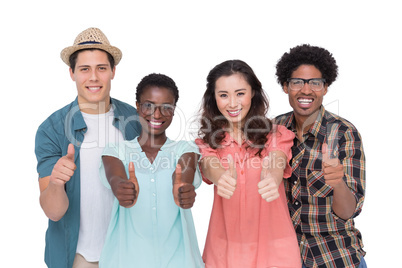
325, 239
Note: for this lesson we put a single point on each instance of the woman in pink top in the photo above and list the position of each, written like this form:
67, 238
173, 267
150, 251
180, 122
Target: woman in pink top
246, 157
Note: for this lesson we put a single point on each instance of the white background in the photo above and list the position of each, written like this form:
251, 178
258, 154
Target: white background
185, 39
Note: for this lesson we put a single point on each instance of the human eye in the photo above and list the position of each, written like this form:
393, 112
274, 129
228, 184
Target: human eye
316, 82
102, 68
223, 95
147, 106
167, 108
297, 82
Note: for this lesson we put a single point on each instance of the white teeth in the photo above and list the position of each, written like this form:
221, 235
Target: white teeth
93, 88
234, 112
155, 123
303, 101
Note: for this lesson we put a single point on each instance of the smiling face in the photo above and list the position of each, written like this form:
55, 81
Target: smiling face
305, 102
233, 96
155, 123
93, 76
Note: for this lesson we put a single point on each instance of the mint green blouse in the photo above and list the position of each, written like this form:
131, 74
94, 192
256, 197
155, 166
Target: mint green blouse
155, 232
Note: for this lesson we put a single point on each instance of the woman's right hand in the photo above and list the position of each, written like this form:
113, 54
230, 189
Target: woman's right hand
227, 182
126, 191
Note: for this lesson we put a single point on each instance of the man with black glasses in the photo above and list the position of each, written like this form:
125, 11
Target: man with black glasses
326, 189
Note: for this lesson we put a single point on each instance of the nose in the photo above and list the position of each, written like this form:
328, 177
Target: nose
157, 112
306, 88
233, 102
94, 76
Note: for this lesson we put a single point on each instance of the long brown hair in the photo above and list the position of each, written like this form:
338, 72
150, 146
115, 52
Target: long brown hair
214, 125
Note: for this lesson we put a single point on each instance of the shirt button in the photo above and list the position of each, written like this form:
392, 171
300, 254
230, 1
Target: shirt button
295, 181
152, 180
153, 194
242, 172
153, 208
296, 203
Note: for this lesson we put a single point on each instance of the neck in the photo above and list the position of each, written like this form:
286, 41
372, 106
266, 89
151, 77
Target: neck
94, 108
237, 134
304, 123
151, 141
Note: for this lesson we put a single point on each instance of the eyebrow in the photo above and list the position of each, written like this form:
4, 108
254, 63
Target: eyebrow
155, 102
237, 90
98, 65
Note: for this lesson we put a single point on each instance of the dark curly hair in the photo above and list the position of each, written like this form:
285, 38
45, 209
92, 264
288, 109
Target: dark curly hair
319, 57
157, 80
214, 124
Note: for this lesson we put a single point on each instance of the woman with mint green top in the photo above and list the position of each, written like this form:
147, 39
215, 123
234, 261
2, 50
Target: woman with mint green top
151, 223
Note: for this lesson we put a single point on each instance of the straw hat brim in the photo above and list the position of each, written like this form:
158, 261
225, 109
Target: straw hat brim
114, 51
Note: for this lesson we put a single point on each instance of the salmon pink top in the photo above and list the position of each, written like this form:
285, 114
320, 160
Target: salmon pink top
245, 231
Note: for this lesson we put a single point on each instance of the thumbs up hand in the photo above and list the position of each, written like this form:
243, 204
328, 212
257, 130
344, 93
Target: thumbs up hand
132, 178
227, 182
126, 191
268, 186
332, 168
183, 192
64, 168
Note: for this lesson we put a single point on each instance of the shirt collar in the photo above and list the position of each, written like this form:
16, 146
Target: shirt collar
229, 140
116, 109
164, 146
75, 114
318, 129
78, 121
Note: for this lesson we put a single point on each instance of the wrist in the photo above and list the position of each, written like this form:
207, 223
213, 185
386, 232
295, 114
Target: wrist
56, 183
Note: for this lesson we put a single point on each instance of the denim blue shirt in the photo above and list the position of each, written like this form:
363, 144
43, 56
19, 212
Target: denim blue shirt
63, 127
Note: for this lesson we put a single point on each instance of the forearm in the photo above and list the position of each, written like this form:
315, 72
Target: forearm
188, 163
114, 169
344, 202
212, 169
53, 199
277, 165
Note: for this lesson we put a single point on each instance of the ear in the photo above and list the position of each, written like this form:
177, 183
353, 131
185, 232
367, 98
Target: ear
325, 89
285, 88
113, 72
71, 74
137, 105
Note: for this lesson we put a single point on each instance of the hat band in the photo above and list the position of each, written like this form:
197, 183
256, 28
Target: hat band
89, 42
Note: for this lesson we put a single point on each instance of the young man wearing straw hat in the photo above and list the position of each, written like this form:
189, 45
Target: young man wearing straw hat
68, 147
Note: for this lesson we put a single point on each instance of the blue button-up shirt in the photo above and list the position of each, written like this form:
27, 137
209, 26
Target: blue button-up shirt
63, 127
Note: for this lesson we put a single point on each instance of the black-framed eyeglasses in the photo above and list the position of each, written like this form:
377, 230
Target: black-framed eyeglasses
315, 84
149, 108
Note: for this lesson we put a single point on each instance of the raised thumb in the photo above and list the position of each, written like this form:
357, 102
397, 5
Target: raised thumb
70, 152
177, 178
131, 172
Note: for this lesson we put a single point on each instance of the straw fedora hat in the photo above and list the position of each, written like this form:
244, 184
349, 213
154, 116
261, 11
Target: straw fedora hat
91, 38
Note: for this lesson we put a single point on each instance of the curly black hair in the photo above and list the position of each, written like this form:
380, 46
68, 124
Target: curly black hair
319, 57
158, 80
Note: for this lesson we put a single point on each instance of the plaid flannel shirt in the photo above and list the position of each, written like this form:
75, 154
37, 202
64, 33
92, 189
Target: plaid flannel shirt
325, 239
